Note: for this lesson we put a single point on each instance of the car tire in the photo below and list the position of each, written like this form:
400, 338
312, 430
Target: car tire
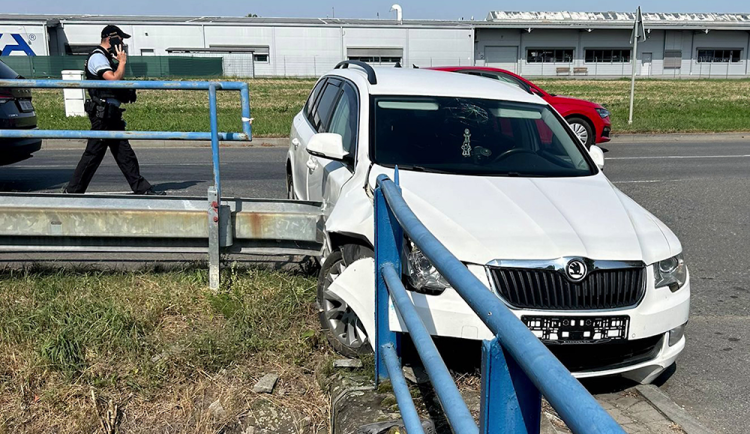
341, 325
583, 130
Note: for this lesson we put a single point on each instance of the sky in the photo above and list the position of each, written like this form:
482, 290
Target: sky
413, 9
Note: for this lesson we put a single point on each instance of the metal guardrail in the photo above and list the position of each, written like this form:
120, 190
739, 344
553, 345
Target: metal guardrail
102, 223
117, 223
517, 369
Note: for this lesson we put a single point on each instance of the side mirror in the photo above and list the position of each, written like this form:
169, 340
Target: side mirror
597, 155
327, 145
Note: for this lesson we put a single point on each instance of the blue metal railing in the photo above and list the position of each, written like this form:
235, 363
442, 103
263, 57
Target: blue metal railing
517, 369
214, 192
212, 87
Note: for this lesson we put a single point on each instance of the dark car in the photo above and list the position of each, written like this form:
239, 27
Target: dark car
16, 112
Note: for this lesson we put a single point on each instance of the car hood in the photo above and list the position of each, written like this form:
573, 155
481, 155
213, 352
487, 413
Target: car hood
484, 218
557, 99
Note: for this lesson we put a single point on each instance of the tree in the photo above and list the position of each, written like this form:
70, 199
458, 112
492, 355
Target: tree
252, 15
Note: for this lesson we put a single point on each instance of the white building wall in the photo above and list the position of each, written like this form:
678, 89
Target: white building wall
494, 39
161, 37
305, 51
611, 39
720, 40
654, 44
33, 35
244, 35
548, 39
440, 47
311, 50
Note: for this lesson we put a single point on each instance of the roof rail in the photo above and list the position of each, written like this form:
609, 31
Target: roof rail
371, 77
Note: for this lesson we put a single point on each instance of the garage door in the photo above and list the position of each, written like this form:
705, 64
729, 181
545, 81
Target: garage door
501, 57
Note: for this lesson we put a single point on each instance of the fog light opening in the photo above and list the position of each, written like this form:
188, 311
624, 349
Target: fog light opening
676, 334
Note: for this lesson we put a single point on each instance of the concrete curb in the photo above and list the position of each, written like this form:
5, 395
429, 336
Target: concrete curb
670, 409
258, 142
680, 137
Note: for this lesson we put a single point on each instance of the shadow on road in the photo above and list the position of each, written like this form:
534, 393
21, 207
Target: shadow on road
172, 186
27, 179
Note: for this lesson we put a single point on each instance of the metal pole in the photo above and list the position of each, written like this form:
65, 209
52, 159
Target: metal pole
215, 134
571, 400
510, 403
632, 73
247, 125
388, 242
214, 197
405, 402
214, 252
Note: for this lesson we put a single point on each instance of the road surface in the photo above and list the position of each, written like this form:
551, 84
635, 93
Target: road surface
700, 189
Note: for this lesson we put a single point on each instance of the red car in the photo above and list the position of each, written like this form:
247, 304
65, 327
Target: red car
590, 121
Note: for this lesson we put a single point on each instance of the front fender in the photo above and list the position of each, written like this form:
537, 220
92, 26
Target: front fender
356, 285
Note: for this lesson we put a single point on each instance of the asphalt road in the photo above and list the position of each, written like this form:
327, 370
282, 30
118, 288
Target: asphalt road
701, 190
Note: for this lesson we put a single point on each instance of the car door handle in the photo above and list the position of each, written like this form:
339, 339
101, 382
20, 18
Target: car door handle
312, 164
295, 143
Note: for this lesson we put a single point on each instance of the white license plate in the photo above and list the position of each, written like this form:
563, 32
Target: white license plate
25, 105
578, 329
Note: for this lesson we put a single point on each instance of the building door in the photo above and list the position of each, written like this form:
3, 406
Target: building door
501, 57
646, 64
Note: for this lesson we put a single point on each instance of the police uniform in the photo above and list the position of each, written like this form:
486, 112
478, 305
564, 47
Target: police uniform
105, 114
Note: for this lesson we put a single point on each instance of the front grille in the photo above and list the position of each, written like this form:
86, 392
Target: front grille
551, 290
607, 355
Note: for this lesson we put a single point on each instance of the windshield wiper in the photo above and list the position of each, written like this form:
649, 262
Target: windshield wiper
422, 169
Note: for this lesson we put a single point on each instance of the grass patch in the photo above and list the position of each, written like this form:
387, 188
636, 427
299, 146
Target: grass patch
273, 104
160, 345
666, 106
661, 106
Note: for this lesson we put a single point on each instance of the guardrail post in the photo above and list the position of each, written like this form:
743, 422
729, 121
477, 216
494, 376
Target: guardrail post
214, 233
214, 135
388, 242
510, 402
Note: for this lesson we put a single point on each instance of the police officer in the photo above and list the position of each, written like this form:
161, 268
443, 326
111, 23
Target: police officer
107, 62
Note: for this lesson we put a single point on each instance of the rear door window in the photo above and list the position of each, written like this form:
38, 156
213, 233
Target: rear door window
344, 121
325, 105
311, 99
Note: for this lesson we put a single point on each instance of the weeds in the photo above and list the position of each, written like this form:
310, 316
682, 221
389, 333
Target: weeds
661, 106
159, 341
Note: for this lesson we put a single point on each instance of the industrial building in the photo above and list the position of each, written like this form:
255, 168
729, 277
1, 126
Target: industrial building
529, 43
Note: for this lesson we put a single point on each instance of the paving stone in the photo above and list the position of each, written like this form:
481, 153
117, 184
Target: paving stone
347, 363
266, 384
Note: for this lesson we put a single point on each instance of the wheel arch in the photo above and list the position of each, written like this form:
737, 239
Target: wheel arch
336, 240
585, 118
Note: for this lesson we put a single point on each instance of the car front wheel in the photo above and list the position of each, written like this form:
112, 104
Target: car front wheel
343, 328
583, 129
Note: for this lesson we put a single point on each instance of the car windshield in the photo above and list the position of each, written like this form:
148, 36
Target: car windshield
474, 137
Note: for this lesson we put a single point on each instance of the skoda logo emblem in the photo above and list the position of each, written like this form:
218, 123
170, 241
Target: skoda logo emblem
576, 270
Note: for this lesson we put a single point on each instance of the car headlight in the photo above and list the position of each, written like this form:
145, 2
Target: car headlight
604, 113
671, 272
422, 275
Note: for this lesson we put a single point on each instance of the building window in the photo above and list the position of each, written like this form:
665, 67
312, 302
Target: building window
607, 56
719, 56
549, 55
376, 59
673, 59
260, 58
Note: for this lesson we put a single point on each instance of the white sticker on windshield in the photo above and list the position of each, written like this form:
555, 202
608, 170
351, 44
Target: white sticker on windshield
466, 147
